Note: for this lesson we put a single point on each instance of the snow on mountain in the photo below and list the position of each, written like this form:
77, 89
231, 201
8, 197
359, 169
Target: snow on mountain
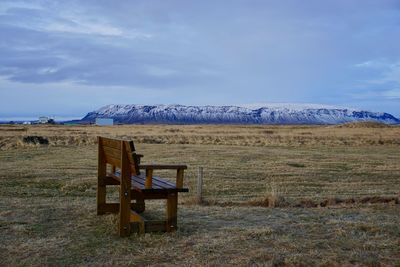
291, 106
241, 114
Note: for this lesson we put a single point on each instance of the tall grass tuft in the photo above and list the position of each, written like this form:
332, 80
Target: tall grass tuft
273, 197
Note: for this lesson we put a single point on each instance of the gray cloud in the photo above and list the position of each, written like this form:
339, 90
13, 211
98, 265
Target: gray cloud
233, 51
44, 48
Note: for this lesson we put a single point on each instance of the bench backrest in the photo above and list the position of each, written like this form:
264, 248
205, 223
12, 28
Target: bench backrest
118, 152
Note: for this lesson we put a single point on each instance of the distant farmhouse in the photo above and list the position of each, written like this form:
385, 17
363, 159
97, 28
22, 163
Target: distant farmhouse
45, 120
104, 122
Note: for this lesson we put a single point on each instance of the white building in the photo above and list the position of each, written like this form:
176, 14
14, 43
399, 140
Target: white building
104, 122
44, 119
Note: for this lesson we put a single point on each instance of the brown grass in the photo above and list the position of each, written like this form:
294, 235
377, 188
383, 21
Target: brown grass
359, 134
332, 200
274, 197
366, 124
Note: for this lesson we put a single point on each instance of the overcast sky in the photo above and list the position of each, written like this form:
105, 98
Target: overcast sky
66, 58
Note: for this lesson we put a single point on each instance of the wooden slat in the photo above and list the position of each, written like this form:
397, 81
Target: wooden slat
113, 161
114, 176
141, 180
112, 149
158, 183
135, 183
113, 152
113, 207
110, 207
163, 183
175, 190
109, 180
155, 195
113, 143
162, 166
138, 184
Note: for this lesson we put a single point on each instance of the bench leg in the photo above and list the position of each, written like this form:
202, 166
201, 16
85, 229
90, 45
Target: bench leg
101, 183
101, 196
172, 209
125, 193
124, 212
139, 205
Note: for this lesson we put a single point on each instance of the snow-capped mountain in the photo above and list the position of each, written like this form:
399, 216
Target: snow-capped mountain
249, 114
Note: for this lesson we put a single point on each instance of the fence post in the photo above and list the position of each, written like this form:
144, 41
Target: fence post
200, 186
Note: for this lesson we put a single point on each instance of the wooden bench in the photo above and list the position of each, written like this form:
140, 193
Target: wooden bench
118, 164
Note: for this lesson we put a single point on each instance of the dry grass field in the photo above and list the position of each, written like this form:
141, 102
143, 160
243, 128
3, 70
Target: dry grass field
274, 196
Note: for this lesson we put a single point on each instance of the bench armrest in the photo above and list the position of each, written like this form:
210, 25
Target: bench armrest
138, 157
162, 167
149, 173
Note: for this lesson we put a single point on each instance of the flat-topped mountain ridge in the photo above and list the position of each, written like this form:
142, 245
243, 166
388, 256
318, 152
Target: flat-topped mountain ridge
251, 114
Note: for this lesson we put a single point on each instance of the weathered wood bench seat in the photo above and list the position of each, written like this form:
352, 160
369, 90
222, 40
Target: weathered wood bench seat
118, 164
159, 184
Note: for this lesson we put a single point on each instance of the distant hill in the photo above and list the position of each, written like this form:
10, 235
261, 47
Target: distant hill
256, 114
